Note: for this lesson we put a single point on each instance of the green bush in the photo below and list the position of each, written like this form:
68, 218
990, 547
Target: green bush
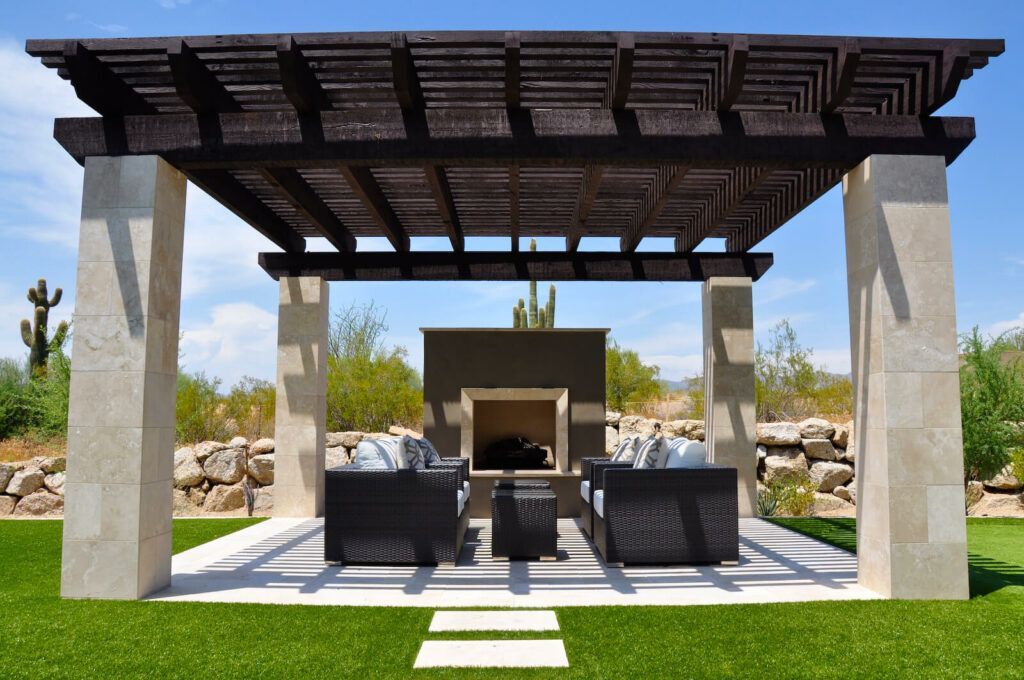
49, 395
14, 411
250, 407
200, 413
790, 496
627, 379
369, 387
991, 403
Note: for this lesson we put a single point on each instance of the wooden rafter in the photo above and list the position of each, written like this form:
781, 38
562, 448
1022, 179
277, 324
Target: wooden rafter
734, 72
512, 69
194, 82
290, 185
513, 205
437, 178
844, 70
621, 79
369, 193
298, 81
98, 86
725, 202
590, 182
658, 192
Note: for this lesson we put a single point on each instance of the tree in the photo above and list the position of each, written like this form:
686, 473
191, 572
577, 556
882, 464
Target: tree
250, 405
991, 403
199, 411
369, 387
628, 379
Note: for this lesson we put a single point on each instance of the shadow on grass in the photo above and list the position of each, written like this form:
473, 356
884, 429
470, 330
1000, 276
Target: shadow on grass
987, 575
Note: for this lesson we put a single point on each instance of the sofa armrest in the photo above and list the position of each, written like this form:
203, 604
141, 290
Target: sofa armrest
598, 469
459, 462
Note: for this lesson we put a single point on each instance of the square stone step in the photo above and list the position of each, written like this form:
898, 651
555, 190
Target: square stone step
509, 619
492, 654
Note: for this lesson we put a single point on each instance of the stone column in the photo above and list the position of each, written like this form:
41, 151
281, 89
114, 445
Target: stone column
117, 512
301, 397
729, 417
911, 531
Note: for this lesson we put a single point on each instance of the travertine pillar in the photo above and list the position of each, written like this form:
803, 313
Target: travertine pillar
729, 417
301, 397
117, 512
911, 531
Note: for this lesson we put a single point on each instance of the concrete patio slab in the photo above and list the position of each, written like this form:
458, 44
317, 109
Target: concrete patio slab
492, 654
504, 619
280, 561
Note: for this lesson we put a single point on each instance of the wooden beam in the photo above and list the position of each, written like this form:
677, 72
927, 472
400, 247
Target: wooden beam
366, 189
513, 205
238, 199
403, 75
651, 205
437, 178
844, 70
521, 266
954, 62
722, 206
98, 86
195, 83
736, 69
294, 189
298, 80
620, 81
486, 137
590, 183
512, 70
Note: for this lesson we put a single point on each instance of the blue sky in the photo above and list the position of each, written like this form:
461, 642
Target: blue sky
229, 306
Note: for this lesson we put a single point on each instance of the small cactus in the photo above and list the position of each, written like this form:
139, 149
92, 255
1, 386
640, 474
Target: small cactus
35, 338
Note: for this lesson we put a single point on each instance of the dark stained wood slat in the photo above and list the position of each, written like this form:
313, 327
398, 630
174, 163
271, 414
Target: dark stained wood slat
513, 69
844, 71
365, 187
590, 184
736, 67
194, 82
654, 200
232, 194
513, 205
728, 201
955, 61
438, 181
98, 86
521, 266
294, 189
620, 83
403, 73
300, 84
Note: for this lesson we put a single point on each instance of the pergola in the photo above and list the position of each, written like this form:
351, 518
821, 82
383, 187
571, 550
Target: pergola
461, 134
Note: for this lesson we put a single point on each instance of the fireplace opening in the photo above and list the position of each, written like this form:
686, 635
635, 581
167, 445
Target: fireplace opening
514, 434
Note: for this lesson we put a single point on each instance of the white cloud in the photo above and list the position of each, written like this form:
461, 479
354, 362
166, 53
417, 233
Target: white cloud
778, 288
172, 4
109, 28
1001, 327
834, 360
676, 366
236, 339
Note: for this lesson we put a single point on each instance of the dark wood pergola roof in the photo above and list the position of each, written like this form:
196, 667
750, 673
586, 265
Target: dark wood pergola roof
681, 135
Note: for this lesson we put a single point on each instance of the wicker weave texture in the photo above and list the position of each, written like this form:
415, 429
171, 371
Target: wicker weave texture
524, 522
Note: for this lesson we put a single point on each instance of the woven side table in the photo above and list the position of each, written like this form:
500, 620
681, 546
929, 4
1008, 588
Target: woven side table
524, 521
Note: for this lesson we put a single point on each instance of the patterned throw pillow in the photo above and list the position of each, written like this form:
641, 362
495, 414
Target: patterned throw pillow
430, 454
409, 449
651, 454
626, 450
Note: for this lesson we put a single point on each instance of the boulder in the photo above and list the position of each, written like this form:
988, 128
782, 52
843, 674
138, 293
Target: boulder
611, 418
347, 439
25, 481
261, 446
238, 443
204, 450
335, 456
999, 505
186, 503
50, 464
6, 472
974, 492
637, 426
264, 502
851, 452
842, 492
778, 434
789, 465
816, 428
683, 428
852, 488
223, 498
827, 505
54, 483
821, 449
841, 437
261, 468
611, 439
187, 470
828, 475
695, 430
40, 504
7, 504
1004, 481
226, 466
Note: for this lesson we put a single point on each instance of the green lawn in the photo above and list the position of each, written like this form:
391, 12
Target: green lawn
43, 636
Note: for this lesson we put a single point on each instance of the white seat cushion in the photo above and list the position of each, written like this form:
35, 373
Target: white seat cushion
462, 502
585, 490
599, 502
685, 453
465, 490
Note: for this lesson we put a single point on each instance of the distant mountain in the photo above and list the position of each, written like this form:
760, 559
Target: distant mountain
673, 385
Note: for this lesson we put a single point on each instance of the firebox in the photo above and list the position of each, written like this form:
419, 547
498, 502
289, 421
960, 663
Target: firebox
502, 423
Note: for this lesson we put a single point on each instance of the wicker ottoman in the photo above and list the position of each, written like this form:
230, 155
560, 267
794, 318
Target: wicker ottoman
524, 517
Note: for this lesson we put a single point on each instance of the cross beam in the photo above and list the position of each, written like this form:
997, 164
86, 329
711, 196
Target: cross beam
515, 266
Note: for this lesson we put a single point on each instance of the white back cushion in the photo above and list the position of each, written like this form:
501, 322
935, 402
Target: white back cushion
378, 454
685, 453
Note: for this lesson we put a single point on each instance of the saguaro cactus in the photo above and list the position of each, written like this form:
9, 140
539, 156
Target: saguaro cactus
36, 338
534, 316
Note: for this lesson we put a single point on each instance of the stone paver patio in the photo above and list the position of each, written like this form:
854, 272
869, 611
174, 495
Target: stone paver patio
280, 561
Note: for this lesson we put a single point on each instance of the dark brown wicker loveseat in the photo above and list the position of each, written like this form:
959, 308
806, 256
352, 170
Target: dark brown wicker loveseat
395, 516
666, 516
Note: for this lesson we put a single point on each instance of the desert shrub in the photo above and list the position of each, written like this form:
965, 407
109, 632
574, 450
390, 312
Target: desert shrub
1017, 463
49, 395
250, 406
200, 413
789, 387
991, 403
791, 496
627, 379
14, 411
370, 387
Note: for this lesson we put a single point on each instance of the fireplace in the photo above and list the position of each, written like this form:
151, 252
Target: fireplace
492, 417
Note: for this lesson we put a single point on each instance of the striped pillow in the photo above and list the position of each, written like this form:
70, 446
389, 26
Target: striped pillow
430, 454
625, 452
409, 452
651, 454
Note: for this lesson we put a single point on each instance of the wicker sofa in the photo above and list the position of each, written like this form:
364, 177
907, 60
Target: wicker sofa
665, 516
397, 516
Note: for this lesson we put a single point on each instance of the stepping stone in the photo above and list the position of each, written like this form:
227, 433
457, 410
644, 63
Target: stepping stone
492, 654
494, 620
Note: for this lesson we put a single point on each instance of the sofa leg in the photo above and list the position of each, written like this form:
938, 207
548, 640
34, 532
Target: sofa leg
548, 558
445, 565
615, 565
499, 559
730, 563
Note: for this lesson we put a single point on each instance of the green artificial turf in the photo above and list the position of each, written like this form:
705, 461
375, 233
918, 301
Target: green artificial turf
43, 636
